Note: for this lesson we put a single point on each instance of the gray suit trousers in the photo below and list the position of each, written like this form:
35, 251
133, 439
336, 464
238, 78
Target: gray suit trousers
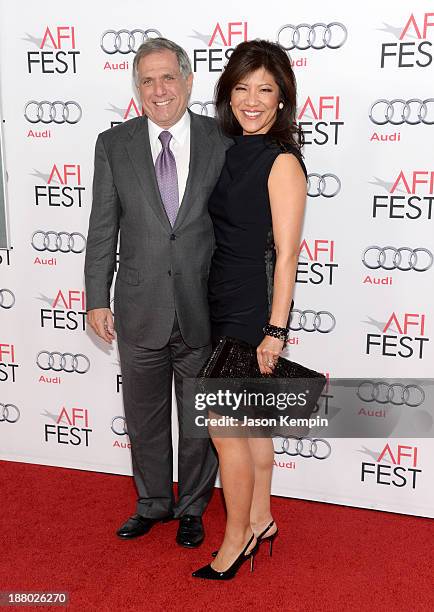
147, 392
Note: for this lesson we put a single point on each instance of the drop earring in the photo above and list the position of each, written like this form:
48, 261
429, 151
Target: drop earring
280, 105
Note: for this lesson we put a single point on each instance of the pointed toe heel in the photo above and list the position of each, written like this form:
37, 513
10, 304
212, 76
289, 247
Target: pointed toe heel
210, 573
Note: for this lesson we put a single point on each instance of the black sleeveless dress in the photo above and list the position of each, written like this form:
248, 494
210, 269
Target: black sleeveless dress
242, 269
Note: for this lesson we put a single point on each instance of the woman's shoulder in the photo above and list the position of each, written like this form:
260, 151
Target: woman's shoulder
289, 149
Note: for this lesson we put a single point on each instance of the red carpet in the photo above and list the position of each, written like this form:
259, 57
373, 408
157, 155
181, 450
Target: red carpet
57, 527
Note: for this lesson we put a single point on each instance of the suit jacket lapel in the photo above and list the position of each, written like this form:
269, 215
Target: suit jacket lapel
139, 151
200, 153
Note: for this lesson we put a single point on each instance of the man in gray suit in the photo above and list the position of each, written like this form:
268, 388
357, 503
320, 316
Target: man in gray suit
153, 176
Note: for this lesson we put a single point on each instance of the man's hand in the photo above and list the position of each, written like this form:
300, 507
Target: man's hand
101, 321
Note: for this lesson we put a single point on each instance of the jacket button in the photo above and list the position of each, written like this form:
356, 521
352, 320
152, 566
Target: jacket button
172, 237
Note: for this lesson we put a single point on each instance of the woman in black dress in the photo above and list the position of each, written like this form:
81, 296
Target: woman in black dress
257, 208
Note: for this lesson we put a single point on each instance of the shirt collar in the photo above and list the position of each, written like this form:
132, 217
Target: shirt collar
179, 131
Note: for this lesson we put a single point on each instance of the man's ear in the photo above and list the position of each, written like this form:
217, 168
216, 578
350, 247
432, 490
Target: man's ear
190, 82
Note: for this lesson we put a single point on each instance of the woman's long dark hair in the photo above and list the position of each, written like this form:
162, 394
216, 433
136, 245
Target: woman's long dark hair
246, 58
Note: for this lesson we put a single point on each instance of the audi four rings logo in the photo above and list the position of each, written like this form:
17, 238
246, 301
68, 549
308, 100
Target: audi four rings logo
58, 241
53, 112
126, 41
327, 185
316, 36
203, 108
7, 298
119, 426
398, 111
310, 321
303, 447
63, 362
404, 258
395, 393
9, 413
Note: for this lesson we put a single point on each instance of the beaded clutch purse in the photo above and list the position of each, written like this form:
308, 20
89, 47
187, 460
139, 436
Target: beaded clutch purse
233, 358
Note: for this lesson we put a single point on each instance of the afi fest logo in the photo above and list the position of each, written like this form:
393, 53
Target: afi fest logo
412, 49
410, 196
319, 118
71, 426
131, 110
403, 335
67, 310
118, 383
57, 52
217, 47
323, 403
320, 264
8, 363
61, 187
395, 466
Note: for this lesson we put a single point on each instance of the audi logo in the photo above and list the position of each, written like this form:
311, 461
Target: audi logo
403, 259
303, 447
201, 108
58, 241
327, 185
63, 362
9, 413
395, 393
7, 298
119, 426
316, 36
398, 111
126, 41
310, 321
53, 112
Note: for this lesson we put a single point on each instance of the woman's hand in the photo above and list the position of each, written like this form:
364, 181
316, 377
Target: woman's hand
268, 352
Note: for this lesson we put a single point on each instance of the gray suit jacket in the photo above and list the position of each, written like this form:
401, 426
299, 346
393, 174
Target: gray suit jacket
161, 269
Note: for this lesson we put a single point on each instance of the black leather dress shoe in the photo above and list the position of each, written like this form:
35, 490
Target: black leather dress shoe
190, 531
136, 526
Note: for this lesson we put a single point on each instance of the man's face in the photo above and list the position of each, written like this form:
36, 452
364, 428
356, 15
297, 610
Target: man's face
163, 91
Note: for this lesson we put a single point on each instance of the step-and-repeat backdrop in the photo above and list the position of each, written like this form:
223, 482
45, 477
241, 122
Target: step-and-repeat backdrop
365, 276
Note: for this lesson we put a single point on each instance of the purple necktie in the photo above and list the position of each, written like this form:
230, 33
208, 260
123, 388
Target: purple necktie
167, 177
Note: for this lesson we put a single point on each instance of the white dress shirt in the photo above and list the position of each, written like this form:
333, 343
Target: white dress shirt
179, 145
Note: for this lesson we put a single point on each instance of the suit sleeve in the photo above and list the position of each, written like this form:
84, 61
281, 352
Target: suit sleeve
103, 232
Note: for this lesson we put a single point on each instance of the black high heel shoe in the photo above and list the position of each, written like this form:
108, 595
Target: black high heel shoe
261, 538
210, 573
